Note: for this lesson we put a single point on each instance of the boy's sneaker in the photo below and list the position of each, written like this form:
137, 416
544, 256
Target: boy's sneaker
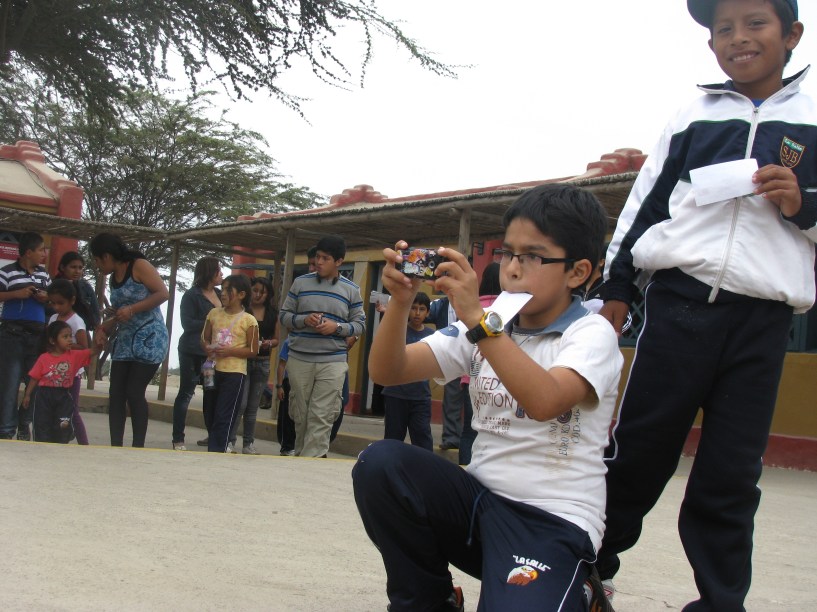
609, 589
287, 453
596, 593
203, 441
249, 449
454, 603
24, 433
179, 446
230, 448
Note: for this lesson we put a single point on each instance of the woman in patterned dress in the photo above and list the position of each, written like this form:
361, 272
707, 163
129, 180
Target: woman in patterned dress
141, 340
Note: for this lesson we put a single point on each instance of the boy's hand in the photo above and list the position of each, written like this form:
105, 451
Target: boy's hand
616, 313
779, 185
313, 319
457, 279
327, 327
26, 401
401, 287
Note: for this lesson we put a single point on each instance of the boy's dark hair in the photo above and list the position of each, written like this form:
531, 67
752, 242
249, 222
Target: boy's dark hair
63, 287
310, 254
239, 283
573, 218
489, 285
51, 332
206, 269
28, 242
422, 299
332, 245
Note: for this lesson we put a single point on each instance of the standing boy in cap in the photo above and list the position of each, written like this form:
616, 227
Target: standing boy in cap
722, 280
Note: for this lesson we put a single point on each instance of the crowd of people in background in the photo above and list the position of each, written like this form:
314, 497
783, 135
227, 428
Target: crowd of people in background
52, 329
323, 312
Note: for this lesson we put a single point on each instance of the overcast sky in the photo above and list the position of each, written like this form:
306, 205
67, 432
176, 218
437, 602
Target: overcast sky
552, 87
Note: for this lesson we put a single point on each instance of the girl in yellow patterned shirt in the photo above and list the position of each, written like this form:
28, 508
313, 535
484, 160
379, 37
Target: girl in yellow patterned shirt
229, 337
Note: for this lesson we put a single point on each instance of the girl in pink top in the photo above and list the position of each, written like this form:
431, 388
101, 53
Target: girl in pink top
62, 296
53, 375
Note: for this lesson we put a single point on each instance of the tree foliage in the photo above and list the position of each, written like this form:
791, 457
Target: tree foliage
96, 51
165, 165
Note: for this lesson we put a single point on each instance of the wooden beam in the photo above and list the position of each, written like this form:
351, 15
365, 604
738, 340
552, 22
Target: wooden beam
171, 302
464, 244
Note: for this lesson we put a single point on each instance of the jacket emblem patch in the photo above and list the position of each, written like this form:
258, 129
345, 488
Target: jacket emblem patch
791, 152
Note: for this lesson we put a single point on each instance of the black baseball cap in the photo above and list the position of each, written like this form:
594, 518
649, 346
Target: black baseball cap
702, 10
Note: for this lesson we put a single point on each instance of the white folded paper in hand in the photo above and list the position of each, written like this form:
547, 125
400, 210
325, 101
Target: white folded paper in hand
720, 182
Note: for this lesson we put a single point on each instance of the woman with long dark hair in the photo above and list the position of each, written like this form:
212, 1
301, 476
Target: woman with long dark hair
258, 368
141, 340
196, 303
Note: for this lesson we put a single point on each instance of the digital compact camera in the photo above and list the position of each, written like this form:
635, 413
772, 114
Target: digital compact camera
419, 262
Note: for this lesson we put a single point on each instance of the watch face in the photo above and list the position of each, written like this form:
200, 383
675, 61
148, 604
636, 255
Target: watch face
494, 323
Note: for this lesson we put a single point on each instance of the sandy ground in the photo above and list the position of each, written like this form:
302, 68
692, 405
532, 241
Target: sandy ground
98, 528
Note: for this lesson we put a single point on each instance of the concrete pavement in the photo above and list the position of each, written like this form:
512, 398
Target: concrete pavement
100, 528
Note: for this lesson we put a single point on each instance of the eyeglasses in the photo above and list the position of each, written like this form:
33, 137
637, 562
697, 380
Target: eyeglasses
528, 260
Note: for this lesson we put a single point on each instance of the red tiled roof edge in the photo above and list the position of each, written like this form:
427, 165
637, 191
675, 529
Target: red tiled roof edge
619, 161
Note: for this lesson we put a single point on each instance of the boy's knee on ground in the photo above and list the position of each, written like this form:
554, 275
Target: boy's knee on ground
379, 455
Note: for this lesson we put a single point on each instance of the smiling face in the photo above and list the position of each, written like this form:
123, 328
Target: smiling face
748, 42
550, 284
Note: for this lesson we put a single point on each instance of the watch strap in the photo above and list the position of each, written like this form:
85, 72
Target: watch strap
475, 334
480, 331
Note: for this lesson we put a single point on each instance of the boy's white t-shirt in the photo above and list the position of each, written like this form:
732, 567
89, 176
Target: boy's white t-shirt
556, 465
77, 324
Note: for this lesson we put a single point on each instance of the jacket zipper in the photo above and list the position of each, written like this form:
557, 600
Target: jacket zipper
727, 251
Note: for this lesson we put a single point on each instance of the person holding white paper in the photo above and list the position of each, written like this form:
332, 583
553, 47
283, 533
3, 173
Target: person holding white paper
526, 516
722, 273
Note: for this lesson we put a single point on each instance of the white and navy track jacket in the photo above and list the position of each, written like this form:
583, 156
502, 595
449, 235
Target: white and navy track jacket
743, 245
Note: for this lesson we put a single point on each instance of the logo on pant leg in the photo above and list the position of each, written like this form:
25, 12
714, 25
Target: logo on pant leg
527, 572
